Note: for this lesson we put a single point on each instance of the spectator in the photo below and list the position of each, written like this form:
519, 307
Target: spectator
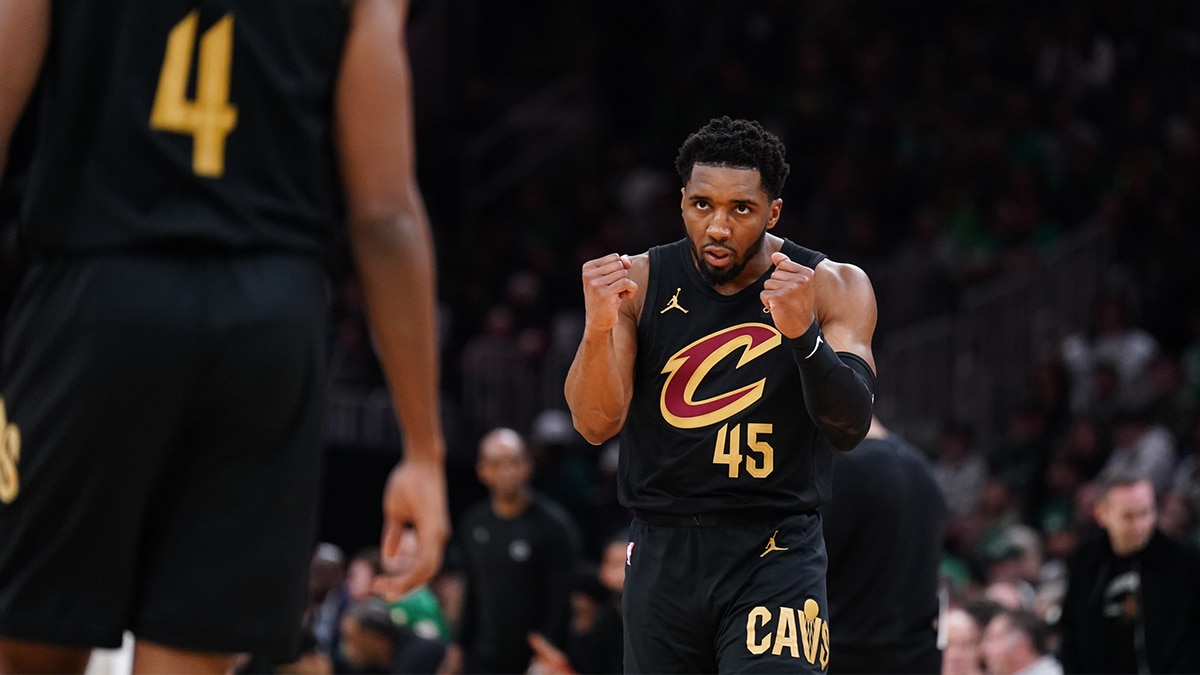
999, 511
596, 644
599, 646
519, 551
1104, 403
1177, 518
962, 631
1011, 594
1189, 359
1112, 339
1185, 480
497, 374
1015, 556
1142, 448
327, 596
961, 471
1171, 406
1015, 643
1024, 451
1083, 446
371, 643
1133, 595
564, 465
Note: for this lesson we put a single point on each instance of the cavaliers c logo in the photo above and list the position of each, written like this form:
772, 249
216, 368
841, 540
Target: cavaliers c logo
690, 365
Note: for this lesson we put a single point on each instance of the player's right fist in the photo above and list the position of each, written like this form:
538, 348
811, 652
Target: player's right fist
606, 284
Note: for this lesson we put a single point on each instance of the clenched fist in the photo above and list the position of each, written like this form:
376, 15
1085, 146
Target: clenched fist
790, 296
606, 283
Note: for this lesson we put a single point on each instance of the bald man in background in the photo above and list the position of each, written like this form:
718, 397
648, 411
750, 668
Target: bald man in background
518, 550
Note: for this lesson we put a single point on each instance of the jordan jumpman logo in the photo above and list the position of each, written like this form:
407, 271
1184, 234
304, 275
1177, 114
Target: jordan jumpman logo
771, 546
674, 303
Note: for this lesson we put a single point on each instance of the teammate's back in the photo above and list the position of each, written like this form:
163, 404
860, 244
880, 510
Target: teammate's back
164, 365
180, 124
883, 528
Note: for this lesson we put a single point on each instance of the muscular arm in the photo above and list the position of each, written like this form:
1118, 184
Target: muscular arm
599, 384
840, 398
24, 33
846, 309
828, 315
392, 245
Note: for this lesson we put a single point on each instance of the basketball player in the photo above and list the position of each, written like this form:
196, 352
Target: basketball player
883, 531
733, 363
193, 163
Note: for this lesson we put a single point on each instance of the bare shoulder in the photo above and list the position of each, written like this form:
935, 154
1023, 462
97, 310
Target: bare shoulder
846, 307
843, 282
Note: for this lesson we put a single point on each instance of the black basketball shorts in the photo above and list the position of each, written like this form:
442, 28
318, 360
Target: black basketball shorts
167, 416
728, 598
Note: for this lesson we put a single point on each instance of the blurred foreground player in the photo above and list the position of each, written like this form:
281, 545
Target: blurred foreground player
163, 376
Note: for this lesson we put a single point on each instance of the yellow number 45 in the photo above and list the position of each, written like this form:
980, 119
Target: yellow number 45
209, 117
728, 450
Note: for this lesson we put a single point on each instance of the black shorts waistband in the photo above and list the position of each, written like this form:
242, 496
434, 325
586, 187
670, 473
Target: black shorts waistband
706, 519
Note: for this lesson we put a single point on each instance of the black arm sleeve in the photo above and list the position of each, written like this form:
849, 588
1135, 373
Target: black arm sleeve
838, 389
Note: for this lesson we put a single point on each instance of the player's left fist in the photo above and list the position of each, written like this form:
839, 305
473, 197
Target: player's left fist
789, 294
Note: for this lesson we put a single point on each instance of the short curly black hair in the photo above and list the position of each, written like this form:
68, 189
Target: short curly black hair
737, 144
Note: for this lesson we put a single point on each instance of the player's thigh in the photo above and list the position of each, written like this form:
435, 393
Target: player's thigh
95, 371
667, 617
778, 611
228, 549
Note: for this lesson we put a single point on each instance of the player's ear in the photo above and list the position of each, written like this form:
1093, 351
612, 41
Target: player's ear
776, 209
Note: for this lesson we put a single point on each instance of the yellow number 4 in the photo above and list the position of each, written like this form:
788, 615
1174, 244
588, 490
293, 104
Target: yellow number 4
731, 453
209, 117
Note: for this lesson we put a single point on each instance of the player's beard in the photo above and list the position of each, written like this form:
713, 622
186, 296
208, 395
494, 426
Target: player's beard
719, 277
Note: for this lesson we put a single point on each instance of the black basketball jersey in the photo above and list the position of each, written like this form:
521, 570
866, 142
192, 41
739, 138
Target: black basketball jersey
186, 122
717, 421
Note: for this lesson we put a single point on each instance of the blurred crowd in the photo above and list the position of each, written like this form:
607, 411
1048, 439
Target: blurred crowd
935, 144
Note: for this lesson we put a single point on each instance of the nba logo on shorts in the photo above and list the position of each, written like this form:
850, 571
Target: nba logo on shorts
629, 554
